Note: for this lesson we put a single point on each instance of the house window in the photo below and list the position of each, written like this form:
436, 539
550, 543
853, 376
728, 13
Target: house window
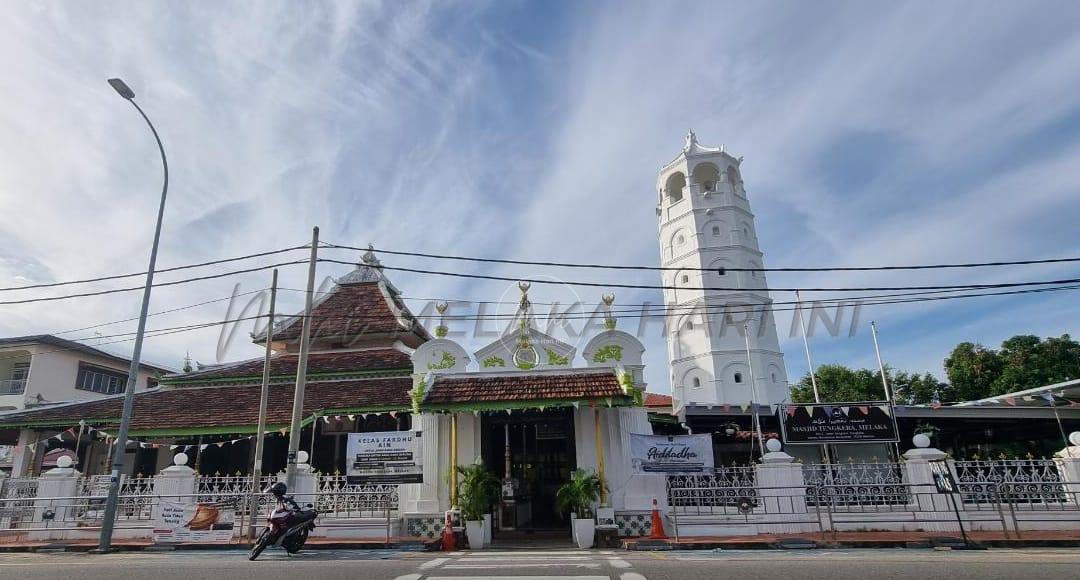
100, 380
20, 372
151, 383
738, 377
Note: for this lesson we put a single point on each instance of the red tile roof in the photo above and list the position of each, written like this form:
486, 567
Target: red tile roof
318, 363
350, 310
658, 400
222, 407
448, 390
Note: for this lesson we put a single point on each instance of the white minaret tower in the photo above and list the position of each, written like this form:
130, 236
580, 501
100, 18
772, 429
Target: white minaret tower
705, 223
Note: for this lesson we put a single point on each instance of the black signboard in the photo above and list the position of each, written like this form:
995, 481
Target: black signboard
867, 422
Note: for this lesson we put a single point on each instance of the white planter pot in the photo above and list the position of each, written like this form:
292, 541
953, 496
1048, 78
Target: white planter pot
584, 532
487, 529
474, 531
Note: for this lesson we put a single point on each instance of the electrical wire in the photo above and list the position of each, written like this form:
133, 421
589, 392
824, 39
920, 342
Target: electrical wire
162, 271
715, 288
671, 268
156, 285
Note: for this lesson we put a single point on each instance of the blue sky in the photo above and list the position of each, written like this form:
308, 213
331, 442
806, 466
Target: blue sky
873, 133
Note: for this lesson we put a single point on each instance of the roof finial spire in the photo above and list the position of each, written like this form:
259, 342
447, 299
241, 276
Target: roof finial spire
369, 258
691, 140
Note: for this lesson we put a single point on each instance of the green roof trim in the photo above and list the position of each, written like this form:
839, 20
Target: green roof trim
529, 404
285, 379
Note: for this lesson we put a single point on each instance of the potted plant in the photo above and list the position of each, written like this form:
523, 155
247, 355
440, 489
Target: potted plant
477, 490
576, 497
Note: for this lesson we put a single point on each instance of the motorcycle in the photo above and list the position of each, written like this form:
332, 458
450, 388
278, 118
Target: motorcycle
287, 525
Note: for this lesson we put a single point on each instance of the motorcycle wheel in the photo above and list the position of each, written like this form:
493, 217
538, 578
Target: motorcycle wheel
295, 543
260, 544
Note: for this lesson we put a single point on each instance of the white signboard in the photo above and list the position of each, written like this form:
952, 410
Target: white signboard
384, 457
671, 454
200, 522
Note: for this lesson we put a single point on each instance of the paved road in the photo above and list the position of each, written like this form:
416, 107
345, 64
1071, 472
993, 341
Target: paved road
1044, 564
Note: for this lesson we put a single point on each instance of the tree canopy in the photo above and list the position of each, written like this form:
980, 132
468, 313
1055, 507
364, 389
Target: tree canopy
974, 372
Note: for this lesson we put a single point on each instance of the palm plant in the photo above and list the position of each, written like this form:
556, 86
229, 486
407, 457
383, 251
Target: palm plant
478, 490
578, 495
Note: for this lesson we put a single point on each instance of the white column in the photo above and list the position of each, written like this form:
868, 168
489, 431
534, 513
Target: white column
1068, 465
782, 492
935, 511
174, 484
423, 498
61, 482
23, 454
641, 490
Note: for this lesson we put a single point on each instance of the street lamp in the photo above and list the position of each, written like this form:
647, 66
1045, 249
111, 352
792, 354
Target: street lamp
105, 543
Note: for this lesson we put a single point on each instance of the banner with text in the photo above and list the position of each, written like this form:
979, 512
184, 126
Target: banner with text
384, 457
193, 522
671, 454
870, 422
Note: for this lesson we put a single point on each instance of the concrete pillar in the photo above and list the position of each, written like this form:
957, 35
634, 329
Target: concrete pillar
23, 454
782, 493
307, 481
1068, 466
423, 498
174, 484
934, 510
63, 483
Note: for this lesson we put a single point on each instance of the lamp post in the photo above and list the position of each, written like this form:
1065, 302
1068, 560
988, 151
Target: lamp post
105, 542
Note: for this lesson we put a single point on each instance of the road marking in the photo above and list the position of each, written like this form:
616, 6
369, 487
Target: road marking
409, 577
485, 558
434, 563
618, 563
514, 565
631, 576
528, 578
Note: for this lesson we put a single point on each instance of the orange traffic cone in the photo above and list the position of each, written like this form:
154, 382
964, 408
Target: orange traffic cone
657, 524
448, 534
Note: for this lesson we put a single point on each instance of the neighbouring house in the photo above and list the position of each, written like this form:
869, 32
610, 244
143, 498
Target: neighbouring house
44, 370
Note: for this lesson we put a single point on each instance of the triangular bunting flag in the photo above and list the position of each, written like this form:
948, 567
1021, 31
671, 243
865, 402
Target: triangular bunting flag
203, 446
790, 410
1010, 401
864, 409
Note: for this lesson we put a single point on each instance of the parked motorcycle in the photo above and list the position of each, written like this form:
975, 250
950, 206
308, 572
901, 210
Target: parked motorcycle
287, 525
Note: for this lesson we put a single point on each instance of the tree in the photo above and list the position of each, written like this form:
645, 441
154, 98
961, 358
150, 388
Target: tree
838, 383
916, 389
972, 370
1024, 362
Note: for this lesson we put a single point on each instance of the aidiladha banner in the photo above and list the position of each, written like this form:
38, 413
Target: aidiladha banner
671, 454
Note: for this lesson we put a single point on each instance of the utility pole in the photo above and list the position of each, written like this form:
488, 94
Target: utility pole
753, 392
885, 384
810, 363
301, 365
264, 395
109, 518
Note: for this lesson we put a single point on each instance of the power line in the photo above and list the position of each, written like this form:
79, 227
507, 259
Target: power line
717, 288
671, 268
149, 333
173, 269
666, 311
160, 312
162, 284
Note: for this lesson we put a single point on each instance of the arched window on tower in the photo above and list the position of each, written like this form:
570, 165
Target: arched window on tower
674, 187
707, 175
697, 383
685, 279
738, 377
716, 230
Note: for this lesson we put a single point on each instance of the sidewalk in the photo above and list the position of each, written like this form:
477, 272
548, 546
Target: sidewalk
1041, 538
396, 543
